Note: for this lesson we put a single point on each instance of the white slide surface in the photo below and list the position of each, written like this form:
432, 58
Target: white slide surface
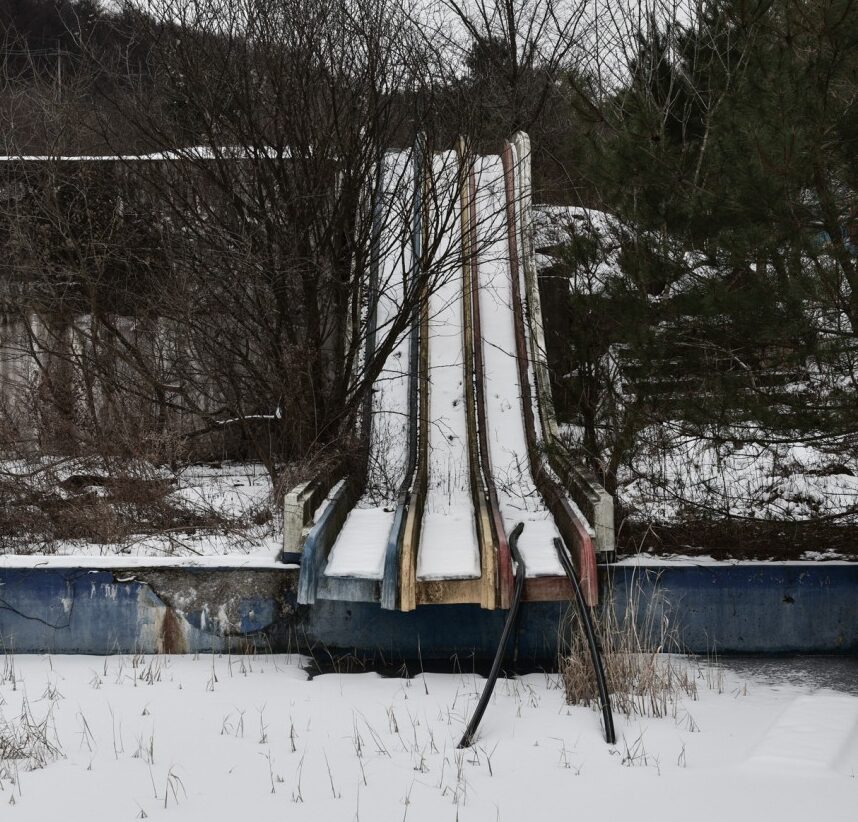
360, 547
448, 542
518, 498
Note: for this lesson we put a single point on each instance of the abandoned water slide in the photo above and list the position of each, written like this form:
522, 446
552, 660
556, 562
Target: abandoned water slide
457, 426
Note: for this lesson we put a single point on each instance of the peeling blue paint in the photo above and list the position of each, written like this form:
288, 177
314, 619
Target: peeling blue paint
90, 611
723, 608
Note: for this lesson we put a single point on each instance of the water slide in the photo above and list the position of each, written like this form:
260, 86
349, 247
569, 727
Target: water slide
359, 550
517, 495
448, 547
460, 413
356, 522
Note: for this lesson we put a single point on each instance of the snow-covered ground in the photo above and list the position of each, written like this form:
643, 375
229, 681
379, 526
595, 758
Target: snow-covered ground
199, 511
217, 738
676, 475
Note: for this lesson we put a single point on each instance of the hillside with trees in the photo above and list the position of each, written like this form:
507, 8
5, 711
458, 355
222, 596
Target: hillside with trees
698, 168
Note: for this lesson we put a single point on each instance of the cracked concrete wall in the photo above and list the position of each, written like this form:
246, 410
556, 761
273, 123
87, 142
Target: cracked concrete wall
182, 610
149, 610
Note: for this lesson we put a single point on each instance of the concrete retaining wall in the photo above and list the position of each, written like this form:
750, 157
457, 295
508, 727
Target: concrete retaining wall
747, 608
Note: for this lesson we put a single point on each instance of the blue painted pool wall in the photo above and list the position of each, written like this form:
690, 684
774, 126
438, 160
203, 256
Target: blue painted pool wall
67, 612
102, 612
744, 608
727, 609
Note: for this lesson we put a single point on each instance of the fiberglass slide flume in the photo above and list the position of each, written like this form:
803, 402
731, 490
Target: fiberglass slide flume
360, 546
448, 542
518, 498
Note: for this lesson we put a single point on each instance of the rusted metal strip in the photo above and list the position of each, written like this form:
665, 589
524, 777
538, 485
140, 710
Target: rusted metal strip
503, 576
472, 378
414, 517
573, 531
390, 581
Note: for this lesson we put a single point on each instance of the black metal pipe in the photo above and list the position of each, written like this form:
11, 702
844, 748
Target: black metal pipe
592, 641
509, 625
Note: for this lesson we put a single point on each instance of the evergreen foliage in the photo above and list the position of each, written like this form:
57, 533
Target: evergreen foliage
727, 160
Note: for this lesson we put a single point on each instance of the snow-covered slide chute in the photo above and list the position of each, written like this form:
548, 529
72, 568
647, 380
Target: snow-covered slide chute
594, 504
460, 437
449, 554
548, 581
511, 477
346, 551
393, 549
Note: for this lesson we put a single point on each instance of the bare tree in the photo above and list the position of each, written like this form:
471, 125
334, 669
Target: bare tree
214, 272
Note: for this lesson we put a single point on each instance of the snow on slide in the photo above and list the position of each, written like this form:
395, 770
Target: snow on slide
360, 546
448, 541
518, 498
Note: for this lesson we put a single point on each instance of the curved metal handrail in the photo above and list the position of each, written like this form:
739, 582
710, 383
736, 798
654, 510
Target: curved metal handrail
509, 625
592, 641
